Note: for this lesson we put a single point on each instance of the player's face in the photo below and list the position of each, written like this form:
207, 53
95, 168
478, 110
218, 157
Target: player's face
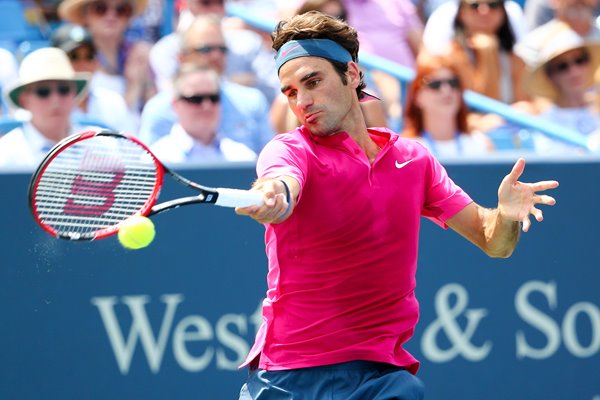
317, 95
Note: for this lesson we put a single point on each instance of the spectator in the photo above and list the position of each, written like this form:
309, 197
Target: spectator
561, 83
147, 26
195, 138
281, 117
124, 65
439, 27
391, 29
335, 8
578, 14
100, 106
483, 48
50, 90
48, 10
244, 110
436, 113
539, 12
248, 62
189, 9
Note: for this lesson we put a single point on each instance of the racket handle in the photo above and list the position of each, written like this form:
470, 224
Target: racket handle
238, 198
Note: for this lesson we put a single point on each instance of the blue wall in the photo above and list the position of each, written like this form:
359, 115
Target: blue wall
95, 321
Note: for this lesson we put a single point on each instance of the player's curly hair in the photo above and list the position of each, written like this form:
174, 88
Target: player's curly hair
316, 25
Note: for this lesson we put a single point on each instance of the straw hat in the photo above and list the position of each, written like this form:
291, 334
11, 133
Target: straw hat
559, 40
45, 64
72, 10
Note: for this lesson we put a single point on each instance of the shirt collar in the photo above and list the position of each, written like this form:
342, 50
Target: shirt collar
187, 143
341, 137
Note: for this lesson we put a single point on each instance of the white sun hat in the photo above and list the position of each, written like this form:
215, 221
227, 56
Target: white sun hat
47, 64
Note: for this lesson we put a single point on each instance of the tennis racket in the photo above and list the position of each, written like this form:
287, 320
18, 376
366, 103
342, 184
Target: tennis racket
90, 183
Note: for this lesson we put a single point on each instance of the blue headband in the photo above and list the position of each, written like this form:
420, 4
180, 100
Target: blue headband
324, 48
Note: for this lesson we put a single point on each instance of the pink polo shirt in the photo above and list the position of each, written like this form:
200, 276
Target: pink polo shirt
342, 267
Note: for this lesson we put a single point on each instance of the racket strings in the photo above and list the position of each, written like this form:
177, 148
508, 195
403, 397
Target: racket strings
95, 184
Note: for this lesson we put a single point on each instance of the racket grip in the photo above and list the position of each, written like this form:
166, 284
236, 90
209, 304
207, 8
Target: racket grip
238, 198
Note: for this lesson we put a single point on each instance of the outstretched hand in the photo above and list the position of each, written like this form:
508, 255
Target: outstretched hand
516, 200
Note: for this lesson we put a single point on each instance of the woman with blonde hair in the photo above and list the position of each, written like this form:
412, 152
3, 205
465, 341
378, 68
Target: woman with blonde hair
436, 113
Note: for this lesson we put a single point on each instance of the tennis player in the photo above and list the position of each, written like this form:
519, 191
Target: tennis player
342, 210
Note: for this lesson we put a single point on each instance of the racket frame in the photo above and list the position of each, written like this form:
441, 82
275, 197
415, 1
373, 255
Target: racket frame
150, 208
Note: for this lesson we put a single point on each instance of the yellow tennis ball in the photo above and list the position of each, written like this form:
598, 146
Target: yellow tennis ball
136, 232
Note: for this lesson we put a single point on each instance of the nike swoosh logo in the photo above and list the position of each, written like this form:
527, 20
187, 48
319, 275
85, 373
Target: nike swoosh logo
285, 52
404, 164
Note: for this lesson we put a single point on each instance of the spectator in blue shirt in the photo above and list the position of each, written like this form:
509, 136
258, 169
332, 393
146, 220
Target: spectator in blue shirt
244, 110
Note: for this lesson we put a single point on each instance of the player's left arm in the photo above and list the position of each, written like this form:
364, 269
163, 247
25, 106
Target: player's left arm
496, 231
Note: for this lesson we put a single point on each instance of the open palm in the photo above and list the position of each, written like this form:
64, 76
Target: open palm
516, 200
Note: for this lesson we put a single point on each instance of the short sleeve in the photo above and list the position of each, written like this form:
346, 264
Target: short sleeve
443, 198
283, 155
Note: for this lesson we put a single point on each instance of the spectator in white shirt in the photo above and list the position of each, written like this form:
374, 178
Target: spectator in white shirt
195, 137
579, 15
49, 89
561, 84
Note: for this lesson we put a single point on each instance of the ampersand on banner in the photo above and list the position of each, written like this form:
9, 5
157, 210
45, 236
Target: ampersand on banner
460, 340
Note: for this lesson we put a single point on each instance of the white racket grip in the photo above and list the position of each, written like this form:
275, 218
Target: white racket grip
239, 198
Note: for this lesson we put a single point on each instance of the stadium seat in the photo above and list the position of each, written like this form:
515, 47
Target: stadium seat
27, 46
8, 123
511, 137
14, 27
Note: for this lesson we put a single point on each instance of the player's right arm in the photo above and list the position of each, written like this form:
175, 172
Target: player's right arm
282, 166
278, 204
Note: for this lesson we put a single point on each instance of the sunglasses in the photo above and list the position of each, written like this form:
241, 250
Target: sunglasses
200, 98
436, 84
100, 8
207, 3
493, 5
563, 66
78, 56
43, 92
209, 49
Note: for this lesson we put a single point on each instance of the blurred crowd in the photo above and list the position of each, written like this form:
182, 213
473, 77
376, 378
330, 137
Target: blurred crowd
198, 85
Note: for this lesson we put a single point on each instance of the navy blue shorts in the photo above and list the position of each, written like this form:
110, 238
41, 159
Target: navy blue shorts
355, 380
